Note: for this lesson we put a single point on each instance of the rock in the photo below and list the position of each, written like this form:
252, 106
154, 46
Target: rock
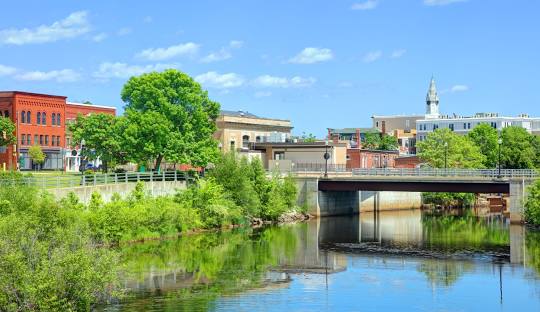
292, 216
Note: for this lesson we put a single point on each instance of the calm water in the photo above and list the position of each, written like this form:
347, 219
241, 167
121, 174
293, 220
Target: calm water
391, 261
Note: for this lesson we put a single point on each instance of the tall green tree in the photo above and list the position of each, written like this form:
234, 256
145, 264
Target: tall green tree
36, 154
102, 138
184, 112
460, 151
7, 131
372, 140
517, 150
485, 137
388, 143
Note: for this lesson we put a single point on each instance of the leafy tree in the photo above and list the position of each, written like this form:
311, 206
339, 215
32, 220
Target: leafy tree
388, 143
7, 131
460, 150
485, 137
372, 140
308, 138
532, 204
517, 150
36, 154
102, 138
535, 141
181, 110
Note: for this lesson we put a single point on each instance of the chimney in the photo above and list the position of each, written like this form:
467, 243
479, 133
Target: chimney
358, 139
383, 127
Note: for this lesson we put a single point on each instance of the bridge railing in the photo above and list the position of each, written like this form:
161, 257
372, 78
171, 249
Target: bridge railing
438, 172
46, 181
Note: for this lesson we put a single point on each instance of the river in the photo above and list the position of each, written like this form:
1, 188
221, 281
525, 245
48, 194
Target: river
404, 261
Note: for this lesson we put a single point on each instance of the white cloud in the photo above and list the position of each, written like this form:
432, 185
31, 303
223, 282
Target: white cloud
459, 88
312, 55
224, 53
7, 70
220, 81
261, 94
64, 75
398, 53
124, 31
122, 70
441, 2
100, 37
372, 56
367, 5
72, 26
267, 81
160, 54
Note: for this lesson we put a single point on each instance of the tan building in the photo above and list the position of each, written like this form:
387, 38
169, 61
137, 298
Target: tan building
388, 124
237, 129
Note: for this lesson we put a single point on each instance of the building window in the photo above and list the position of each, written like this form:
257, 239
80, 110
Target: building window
23, 117
41, 140
58, 141
451, 126
36, 139
53, 119
6, 113
232, 146
23, 139
28, 117
279, 155
46, 140
28, 139
258, 139
377, 124
245, 141
44, 118
58, 123
407, 123
38, 120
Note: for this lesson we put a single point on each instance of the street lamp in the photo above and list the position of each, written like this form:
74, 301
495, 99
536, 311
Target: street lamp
499, 141
326, 157
445, 156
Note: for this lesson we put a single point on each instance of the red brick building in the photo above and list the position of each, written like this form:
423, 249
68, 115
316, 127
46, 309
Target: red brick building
365, 158
410, 162
40, 119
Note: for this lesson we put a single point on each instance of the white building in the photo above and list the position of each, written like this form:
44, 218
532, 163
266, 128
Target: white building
462, 125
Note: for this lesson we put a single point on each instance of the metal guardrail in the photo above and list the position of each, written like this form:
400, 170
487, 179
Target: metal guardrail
62, 181
437, 172
318, 167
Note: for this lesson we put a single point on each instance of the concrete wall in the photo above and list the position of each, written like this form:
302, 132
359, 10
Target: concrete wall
84, 193
518, 195
389, 200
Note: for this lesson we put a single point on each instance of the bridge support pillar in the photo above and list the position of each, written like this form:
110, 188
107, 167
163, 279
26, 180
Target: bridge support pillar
518, 195
339, 203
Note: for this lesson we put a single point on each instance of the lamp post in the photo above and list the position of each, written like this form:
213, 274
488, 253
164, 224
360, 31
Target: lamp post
445, 156
326, 157
499, 141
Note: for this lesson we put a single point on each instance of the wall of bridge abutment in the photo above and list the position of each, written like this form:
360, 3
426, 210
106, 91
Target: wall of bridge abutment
518, 196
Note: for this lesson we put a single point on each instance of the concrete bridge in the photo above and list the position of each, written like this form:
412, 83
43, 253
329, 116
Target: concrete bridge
343, 193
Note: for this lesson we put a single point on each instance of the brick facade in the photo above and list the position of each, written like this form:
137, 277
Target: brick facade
364, 158
40, 119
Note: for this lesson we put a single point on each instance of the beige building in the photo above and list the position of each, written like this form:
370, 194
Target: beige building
388, 124
237, 130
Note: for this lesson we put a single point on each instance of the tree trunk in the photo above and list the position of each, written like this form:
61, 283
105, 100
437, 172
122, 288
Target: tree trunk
158, 162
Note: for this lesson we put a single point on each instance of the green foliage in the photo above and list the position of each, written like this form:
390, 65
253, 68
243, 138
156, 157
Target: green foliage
36, 154
179, 110
376, 141
308, 138
101, 135
449, 199
532, 204
519, 149
7, 131
47, 258
372, 140
460, 150
388, 143
485, 137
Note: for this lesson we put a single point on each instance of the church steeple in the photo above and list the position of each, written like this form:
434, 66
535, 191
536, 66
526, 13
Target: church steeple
432, 101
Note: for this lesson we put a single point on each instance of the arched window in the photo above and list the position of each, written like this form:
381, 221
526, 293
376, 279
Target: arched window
23, 117
28, 117
44, 118
53, 120
6, 113
23, 139
38, 119
245, 141
58, 123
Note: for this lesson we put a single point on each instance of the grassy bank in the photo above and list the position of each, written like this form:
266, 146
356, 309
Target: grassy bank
49, 254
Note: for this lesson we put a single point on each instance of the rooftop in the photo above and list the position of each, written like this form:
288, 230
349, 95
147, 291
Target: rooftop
352, 130
91, 105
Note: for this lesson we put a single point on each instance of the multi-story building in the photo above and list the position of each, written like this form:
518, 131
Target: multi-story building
236, 130
351, 136
40, 119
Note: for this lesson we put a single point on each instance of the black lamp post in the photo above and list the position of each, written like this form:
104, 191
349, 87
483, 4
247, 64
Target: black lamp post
499, 141
326, 157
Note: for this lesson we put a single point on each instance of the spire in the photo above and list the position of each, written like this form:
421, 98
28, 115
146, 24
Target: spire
432, 100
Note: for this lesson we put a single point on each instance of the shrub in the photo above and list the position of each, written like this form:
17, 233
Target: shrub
449, 199
532, 204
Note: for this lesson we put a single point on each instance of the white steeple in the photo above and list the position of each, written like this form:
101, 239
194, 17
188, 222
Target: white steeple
432, 101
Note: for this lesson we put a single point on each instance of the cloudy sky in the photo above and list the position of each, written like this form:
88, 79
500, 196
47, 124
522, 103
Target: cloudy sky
319, 63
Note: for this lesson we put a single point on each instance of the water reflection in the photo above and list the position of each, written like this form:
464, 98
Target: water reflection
325, 263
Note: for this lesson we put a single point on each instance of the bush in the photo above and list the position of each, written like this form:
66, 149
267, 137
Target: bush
449, 199
532, 204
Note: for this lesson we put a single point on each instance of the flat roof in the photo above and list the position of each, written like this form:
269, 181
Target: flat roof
479, 118
244, 114
398, 116
91, 105
353, 130
31, 94
297, 144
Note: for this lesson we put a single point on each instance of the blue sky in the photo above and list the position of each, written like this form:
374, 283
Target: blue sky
319, 63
